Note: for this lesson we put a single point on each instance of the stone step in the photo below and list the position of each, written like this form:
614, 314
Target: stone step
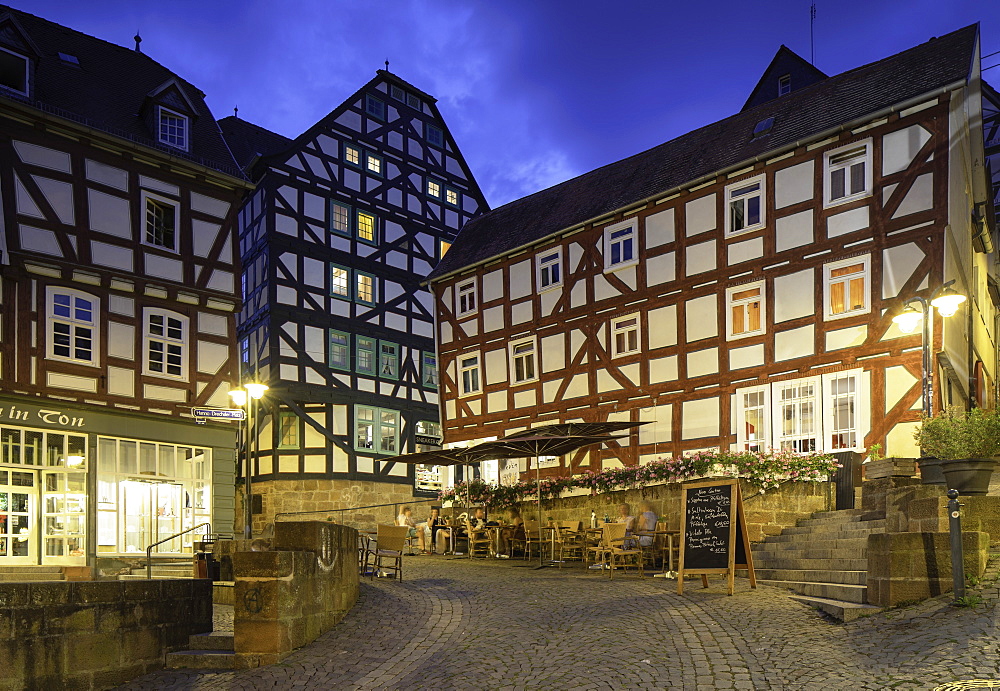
796, 542
812, 575
159, 576
830, 591
819, 552
211, 641
31, 569
810, 564
201, 659
27, 576
844, 611
838, 512
845, 519
862, 527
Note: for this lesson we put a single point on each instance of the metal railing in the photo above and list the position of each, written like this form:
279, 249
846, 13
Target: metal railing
149, 550
340, 512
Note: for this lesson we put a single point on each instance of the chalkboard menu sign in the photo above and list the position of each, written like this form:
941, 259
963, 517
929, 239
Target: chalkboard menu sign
714, 538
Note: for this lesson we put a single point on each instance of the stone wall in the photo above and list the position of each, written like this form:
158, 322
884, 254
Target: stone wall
766, 514
286, 598
95, 635
281, 496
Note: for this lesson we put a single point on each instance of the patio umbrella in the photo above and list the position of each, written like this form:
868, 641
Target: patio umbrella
537, 445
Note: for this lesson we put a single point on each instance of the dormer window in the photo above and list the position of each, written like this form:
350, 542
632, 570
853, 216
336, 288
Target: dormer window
784, 85
14, 71
173, 129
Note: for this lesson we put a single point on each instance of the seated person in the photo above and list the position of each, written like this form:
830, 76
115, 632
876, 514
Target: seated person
515, 531
478, 520
626, 518
433, 528
405, 517
646, 523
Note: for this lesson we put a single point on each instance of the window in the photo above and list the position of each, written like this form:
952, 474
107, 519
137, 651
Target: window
522, 361
374, 107
166, 343
549, 269
619, 245
465, 298
367, 227
784, 84
161, 221
72, 326
825, 413
451, 196
428, 433
14, 71
797, 424
429, 370
340, 282
388, 360
376, 430
433, 188
745, 201
340, 350
340, 218
625, 335
847, 286
245, 352
173, 129
762, 128
288, 429
364, 288
352, 155
397, 93
365, 353
848, 173
468, 367
746, 310
413, 101
373, 164
434, 135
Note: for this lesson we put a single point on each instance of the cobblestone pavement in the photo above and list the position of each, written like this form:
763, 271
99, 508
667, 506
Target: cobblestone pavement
456, 624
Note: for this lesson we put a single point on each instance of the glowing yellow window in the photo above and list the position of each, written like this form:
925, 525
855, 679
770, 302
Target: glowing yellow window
366, 226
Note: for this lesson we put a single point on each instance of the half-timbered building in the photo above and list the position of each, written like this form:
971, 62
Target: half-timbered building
117, 301
735, 286
346, 222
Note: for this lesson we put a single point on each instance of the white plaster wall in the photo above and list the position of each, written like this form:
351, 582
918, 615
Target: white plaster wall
847, 222
663, 369
659, 429
747, 356
700, 258
745, 251
794, 343
899, 148
496, 366
700, 215
702, 362
660, 228
700, 418
793, 185
661, 269
493, 285
920, 197
793, 231
520, 284
107, 175
493, 318
898, 265
701, 318
846, 338
109, 214
898, 382
553, 353
59, 195
794, 296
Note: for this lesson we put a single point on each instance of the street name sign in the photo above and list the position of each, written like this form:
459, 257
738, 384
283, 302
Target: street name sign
218, 413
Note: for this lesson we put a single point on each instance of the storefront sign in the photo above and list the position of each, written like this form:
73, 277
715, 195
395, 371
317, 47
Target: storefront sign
425, 439
13, 413
218, 413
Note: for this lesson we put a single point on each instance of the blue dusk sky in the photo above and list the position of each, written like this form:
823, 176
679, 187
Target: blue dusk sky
534, 91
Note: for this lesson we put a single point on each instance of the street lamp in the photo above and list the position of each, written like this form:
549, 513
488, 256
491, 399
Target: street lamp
946, 301
250, 394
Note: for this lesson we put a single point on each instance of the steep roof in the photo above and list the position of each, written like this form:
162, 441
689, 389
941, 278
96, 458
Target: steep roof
785, 62
110, 87
249, 141
726, 144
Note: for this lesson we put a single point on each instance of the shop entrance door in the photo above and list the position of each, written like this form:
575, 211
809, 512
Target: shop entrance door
152, 511
18, 520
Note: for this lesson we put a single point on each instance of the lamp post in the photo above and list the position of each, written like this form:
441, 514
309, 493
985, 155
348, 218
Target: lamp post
249, 396
946, 300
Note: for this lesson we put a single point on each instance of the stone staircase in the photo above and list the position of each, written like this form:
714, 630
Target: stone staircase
163, 569
14, 574
205, 651
823, 560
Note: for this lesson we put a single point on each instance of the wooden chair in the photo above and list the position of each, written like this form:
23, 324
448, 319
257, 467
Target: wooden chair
390, 541
478, 541
621, 551
366, 552
532, 538
611, 535
570, 541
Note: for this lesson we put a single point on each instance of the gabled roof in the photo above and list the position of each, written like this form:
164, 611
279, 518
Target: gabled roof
109, 89
248, 141
724, 145
785, 62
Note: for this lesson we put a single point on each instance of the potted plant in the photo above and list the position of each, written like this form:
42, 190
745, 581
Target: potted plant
967, 444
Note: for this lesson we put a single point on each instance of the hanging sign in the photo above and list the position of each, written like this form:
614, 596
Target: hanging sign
219, 413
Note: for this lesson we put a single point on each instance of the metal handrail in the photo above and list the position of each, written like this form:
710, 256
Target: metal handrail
149, 550
355, 508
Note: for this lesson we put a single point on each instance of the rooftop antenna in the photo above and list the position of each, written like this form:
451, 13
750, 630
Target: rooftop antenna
236, 111
812, 33
386, 65
138, 40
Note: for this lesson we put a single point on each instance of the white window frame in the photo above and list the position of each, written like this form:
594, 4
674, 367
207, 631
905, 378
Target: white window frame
466, 297
544, 261
624, 325
761, 440
148, 338
862, 411
800, 438
784, 85
163, 111
830, 167
517, 352
472, 363
27, 73
73, 322
828, 281
761, 194
614, 235
160, 199
732, 302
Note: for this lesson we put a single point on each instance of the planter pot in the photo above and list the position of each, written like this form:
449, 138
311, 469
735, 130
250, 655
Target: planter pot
890, 467
574, 492
930, 471
969, 475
